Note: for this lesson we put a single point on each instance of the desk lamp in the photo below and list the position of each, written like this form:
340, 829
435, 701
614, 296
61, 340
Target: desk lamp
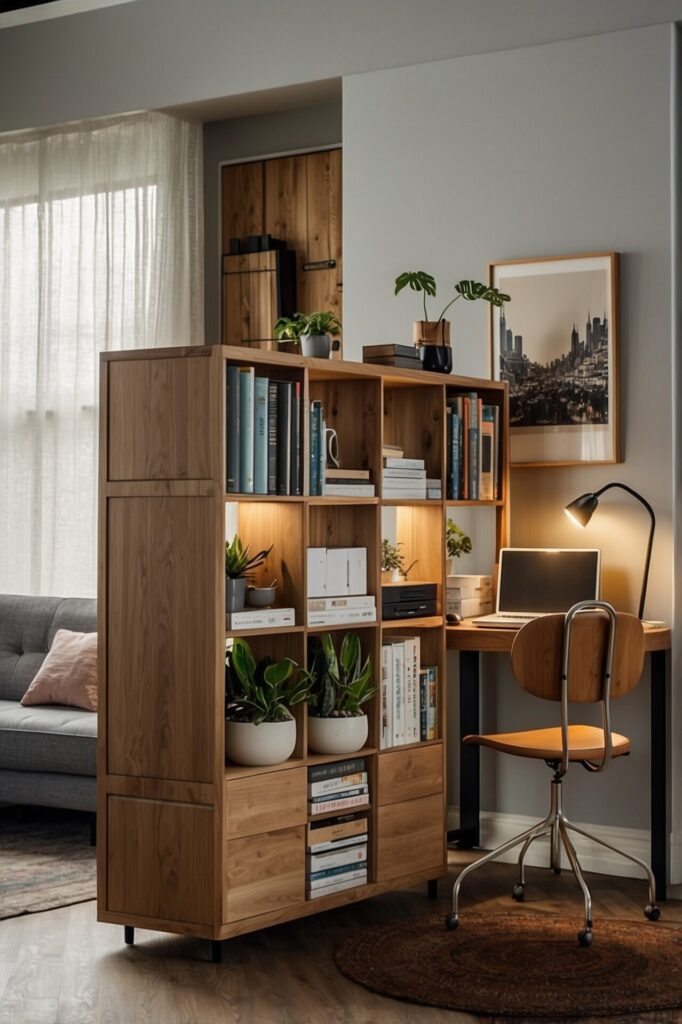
580, 512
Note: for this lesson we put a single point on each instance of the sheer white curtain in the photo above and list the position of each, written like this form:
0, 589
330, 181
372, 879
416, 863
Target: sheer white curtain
100, 248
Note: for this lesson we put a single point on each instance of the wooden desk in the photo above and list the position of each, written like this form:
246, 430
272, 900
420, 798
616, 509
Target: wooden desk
471, 641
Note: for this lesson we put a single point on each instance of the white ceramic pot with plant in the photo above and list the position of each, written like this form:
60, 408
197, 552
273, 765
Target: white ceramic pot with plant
313, 331
239, 564
339, 687
456, 544
393, 566
259, 727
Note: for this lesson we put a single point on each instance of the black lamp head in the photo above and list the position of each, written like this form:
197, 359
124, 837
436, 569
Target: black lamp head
580, 510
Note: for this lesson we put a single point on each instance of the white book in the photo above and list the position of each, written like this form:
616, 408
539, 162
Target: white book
410, 485
434, 495
390, 463
398, 694
317, 572
437, 485
408, 644
416, 665
331, 604
336, 844
405, 474
333, 804
259, 618
336, 859
337, 572
386, 696
349, 490
349, 615
338, 784
328, 890
357, 875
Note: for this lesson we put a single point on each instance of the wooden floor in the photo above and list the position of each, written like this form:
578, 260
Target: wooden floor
61, 967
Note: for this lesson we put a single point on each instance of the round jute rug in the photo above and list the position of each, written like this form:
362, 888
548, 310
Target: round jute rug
520, 965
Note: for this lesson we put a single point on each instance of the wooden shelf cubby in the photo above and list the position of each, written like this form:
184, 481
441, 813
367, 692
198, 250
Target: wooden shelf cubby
190, 842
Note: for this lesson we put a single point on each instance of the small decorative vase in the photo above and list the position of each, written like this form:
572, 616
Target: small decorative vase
267, 743
317, 346
431, 332
337, 735
437, 358
235, 594
261, 597
396, 576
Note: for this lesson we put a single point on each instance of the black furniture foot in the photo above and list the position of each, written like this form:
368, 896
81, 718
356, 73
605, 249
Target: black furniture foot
432, 888
128, 934
93, 830
216, 951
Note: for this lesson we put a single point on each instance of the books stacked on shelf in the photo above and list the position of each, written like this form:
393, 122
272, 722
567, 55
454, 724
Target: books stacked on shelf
403, 478
337, 786
473, 445
261, 618
405, 356
348, 483
469, 596
337, 587
409, 694
336, 854
264, 433
434, 489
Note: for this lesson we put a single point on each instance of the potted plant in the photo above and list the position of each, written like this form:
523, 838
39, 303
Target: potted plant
259, 726
393, 562
313, 331
436, 333
239, 564
339, 688
456, 542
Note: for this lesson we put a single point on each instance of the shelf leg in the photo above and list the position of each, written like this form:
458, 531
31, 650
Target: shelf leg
432, 888
216, 951
128, 934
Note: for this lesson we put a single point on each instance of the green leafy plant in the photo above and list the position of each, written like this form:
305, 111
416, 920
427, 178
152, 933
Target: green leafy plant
392, 558
261, 692
340, 685
420, 281
239, 561
291, 328
456, 540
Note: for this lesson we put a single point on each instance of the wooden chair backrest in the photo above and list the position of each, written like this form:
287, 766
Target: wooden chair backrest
538, 649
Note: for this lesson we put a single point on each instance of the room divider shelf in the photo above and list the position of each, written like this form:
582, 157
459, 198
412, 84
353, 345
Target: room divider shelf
188, 841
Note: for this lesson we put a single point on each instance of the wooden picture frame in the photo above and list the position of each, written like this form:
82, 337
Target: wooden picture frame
562, 366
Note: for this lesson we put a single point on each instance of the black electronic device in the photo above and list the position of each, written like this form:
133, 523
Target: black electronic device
408, 600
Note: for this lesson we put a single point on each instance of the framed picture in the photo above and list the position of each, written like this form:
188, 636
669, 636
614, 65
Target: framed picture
556, 343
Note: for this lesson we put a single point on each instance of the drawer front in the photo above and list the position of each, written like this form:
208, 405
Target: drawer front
409, 774
266, 802
411, 838
264, 873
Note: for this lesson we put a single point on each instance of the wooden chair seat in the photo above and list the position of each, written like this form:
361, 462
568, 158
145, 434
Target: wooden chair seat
585, 743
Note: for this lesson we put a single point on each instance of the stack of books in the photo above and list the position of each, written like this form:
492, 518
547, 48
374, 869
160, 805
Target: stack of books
469, 596
401, 477
264, 434
336, 856
348, 483
405, 356
337, 786
337, 587
409, 694
260, 618
473, 440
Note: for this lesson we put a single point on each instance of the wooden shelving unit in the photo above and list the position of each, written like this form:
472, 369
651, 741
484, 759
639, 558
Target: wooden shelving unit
189, 842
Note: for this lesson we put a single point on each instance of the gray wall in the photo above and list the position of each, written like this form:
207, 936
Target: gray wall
553, 149
248, 138
157, 53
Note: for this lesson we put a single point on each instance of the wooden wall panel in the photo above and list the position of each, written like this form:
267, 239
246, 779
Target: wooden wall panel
163, 567
242, 201
160, 858
321, 289
159, 423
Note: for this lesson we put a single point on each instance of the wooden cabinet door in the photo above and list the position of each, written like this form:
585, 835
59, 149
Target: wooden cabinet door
242, 201
408, 774
411, 838
320, 289
273, 800
250, 305
264, 873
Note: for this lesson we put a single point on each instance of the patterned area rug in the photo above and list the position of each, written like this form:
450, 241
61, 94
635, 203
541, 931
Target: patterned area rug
46, 860
528, 967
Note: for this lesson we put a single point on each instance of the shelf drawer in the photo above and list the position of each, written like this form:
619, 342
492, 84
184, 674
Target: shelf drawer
408, 774
264, 873
411, 838
269, 801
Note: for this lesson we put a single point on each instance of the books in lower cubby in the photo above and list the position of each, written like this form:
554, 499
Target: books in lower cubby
409, 694
338, 482
264, 434
473, 446
336, 848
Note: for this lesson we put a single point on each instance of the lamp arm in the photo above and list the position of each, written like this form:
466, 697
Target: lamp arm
650, 542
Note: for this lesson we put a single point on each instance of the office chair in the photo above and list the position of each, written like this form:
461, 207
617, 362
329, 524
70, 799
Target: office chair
588, 656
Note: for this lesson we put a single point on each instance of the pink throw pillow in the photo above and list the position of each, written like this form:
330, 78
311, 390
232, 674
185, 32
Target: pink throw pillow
69, 673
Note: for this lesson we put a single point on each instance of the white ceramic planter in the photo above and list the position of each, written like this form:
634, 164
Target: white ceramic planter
337, 735
267, 743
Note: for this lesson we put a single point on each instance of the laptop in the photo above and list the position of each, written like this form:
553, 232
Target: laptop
539, 581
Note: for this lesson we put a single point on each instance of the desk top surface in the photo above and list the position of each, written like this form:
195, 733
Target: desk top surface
467, 637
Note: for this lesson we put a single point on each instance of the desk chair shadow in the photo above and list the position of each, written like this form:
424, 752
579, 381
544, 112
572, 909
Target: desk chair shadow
588, 656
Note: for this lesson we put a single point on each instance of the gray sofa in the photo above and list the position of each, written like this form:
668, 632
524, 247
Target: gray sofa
48, 755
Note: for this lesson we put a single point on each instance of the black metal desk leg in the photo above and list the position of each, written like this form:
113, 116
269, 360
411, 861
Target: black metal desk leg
660, 665
468, 833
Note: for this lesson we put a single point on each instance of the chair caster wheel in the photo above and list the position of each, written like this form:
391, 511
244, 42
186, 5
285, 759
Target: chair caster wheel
452, 922
585, 938
517, 892
652, 912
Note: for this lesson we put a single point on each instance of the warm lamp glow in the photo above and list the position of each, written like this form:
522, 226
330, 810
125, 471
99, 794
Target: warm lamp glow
580, 511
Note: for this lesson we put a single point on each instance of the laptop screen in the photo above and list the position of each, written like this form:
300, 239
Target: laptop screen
546, 579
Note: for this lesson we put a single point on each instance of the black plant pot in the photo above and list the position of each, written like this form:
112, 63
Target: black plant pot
437, 358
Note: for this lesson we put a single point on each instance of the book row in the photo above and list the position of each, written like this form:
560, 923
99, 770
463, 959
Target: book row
473, 446
336, 848
409, 694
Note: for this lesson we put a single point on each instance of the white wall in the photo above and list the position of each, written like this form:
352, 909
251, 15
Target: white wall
547, 150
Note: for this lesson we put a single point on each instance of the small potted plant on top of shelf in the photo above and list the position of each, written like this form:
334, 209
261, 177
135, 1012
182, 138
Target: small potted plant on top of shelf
259, 726
457, 543
340, 686
312, 331
239, 563
393, 562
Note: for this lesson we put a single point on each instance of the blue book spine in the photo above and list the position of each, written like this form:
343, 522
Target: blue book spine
343, 869
449, 493
295, 430
323, 451
474, 448
233, 429
246, 388
314, 447
260, 436
272, 437
456, 455
284, 437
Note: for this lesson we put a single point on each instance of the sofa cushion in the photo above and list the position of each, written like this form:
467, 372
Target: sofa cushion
47, 739
69, 673
27, 628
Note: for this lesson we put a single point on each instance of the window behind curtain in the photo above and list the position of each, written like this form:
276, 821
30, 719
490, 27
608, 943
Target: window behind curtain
99, 249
